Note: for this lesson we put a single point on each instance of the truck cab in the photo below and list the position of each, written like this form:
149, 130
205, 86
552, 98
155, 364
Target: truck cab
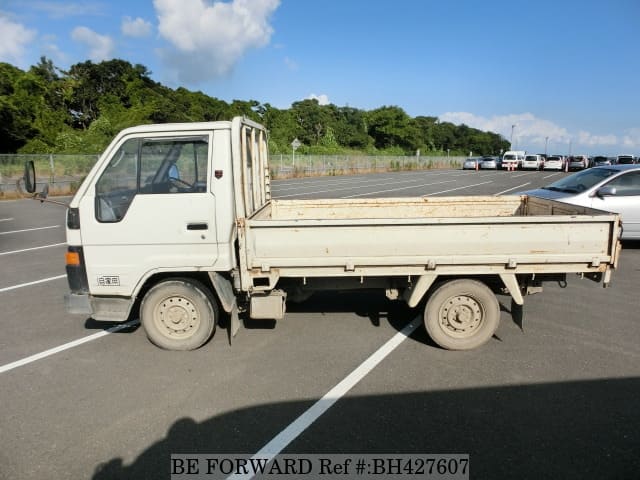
159, 200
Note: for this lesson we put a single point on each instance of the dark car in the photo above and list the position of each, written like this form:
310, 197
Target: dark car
625, 160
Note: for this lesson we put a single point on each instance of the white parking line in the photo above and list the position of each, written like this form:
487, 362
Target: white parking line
397, 189
5, 219
300, 424
552, 175
32, 248
29, 229
352, 187
28, 284
66, 346
509, 189
458, 188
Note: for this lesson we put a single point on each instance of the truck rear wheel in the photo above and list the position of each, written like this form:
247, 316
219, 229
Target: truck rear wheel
179, 314
462, 314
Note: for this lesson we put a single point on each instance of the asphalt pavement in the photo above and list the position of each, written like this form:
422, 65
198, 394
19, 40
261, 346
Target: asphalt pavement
81, 399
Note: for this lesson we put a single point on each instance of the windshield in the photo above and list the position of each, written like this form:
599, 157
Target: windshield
581, 181
553, 159
509, 157
531, 158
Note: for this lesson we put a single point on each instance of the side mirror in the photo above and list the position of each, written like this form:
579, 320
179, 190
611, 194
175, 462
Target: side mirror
29, 176
606, 191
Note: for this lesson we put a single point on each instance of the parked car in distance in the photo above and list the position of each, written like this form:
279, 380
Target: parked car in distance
625, 160
513, 159
490, 163
578, 162
554, 162
599, 161
471, 164
533, 162
613, 188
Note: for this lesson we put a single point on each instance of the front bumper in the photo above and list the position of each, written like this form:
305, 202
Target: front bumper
108, 309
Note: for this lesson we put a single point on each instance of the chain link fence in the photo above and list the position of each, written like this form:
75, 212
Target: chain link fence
286, 166
64, 173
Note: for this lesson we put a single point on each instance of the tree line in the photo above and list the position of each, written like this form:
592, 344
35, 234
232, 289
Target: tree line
49, 110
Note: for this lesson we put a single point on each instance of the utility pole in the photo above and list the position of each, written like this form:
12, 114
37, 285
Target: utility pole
546, 141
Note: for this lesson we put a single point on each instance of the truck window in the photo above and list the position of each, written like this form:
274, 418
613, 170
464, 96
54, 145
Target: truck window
118, 184
173, 165
151, 166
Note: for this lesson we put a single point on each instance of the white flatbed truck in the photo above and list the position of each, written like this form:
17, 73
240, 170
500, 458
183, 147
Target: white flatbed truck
176, 222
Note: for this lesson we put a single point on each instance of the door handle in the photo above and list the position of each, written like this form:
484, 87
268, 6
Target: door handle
197, 226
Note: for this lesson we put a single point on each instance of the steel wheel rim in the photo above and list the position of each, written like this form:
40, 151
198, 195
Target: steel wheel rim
461, 316
177, 317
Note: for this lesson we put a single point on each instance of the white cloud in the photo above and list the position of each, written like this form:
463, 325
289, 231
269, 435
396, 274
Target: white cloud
52, 51
322, 99
100, 46
14, 39
588, 139
135, 27
57, 9
631, 138
533, 132
291, 64
208, 39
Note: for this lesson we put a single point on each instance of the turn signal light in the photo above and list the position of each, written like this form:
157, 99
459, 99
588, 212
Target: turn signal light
73, 258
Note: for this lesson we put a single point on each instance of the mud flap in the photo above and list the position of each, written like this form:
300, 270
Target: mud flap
224, 290
234, 322
517, 301
517, 313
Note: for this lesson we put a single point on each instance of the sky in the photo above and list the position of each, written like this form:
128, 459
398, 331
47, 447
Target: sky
558, 76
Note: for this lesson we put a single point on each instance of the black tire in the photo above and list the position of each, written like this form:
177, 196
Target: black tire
179, 314
462, 314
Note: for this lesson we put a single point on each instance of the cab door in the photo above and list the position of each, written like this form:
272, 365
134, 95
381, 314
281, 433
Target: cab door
152, 209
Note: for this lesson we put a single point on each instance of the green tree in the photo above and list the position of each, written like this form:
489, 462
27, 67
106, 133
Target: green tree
78, 111
390, 126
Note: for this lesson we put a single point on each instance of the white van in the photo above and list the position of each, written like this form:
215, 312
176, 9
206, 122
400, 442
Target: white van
554, 162
513, 159
533, 162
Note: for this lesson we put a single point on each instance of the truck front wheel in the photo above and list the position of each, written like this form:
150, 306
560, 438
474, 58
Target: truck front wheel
462, 314
179, 314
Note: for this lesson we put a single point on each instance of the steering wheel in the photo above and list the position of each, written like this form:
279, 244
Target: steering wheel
580, 187
180, 184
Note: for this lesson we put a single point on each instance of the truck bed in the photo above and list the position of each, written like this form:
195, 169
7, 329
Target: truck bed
450, 235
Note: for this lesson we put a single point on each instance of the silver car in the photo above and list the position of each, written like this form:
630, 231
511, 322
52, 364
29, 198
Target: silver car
471, 164
490, 163
614, 188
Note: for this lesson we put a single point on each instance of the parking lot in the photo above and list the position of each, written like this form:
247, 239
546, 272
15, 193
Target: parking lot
84, 399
